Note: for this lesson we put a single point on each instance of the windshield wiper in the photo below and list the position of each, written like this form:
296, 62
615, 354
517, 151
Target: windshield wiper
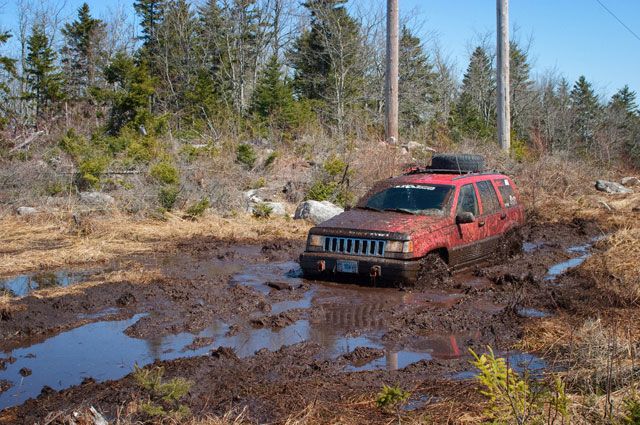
366, 207
400, 210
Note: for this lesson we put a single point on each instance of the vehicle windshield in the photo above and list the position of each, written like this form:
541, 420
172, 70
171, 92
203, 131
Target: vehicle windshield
411, 199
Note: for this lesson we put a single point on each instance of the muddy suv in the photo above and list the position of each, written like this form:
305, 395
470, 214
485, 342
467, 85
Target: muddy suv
449, 215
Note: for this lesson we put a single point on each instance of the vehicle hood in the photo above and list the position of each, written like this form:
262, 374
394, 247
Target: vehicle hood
380, 222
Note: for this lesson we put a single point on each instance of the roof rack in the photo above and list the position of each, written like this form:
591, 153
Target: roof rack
460, 173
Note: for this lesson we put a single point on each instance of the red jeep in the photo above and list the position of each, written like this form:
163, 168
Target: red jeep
453, 212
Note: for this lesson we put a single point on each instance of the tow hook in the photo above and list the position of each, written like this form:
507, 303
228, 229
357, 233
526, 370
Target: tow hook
321, 266
376, 271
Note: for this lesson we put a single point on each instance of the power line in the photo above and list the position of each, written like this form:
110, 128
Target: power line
618, 19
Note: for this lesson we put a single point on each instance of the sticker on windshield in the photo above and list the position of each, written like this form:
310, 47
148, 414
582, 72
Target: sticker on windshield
506, 182
410, 186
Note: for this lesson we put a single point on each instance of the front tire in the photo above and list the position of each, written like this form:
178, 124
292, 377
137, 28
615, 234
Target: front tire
433, 272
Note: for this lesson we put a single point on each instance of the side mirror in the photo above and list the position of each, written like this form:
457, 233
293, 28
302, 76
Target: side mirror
465, 218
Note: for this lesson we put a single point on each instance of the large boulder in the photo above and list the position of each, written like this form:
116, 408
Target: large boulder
26, 211
317, 212
97, 199
611, 187
630, 181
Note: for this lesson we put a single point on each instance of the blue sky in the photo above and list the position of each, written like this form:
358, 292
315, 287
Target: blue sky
573, 37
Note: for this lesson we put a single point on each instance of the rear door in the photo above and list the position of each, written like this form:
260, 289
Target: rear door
492, 215
467, 248
513, 211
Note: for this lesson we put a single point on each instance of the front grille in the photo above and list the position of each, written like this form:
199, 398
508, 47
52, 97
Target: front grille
353, 246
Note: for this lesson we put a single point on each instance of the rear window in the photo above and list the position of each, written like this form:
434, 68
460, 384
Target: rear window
508, 195
489, 198
414, 199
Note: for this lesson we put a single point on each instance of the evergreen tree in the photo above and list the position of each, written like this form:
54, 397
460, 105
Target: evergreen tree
44, 80
8, 72
326, 58
475, 114
586, 110
130, 94
83, 54
521, 90
176, 38
273, 96
415, 83
151, 13
625, 100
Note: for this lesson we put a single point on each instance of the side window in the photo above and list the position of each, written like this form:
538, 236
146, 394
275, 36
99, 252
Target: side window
489, 198
467, 201
508, 195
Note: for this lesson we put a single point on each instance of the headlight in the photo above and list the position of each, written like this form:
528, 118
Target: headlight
315, 240
399, 246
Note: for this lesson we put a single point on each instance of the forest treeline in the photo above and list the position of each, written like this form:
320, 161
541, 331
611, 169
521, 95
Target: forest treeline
276, 70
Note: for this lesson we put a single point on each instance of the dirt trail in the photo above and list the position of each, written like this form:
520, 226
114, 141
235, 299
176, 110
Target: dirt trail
239, 322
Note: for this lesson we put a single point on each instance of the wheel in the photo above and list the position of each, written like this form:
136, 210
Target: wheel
462, 162
511, 243
433, 271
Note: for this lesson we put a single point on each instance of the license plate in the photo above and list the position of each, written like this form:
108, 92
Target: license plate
345, 266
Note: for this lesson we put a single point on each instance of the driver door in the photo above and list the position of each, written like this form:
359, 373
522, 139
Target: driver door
468, 236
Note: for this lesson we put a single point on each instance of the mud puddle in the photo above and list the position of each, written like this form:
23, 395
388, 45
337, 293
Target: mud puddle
22, 285
582, 251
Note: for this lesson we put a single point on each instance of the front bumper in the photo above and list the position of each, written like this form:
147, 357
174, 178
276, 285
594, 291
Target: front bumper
323, 266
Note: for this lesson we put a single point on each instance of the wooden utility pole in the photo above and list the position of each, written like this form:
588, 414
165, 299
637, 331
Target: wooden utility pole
504, 98
393, 48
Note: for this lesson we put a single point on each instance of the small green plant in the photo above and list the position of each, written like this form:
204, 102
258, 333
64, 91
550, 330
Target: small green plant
165, 173
261, 182
91, 169
168, 196
391, 399
163, 396
631, 411
271, 159
197, 210
513, 399
246, 155
332, 184
262, 210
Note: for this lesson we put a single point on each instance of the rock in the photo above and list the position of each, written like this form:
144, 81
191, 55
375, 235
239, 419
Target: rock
279, 285
630, 181
25, 371
611, 187
251, 196
96, 198
317, 212
26, 211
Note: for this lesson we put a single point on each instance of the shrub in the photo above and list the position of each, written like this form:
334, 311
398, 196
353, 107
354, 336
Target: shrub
332, 184
168, 196
262, 210
513, 399
631, 415
165, 173
246, 155
271, 159
163, 396
91, 169
196, 210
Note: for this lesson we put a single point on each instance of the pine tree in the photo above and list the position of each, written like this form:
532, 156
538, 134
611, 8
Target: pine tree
326, 58
415, 83
130, 93
625, 100
151, 13
273, 96
586, 110
475, 114
44, 81
83, 54
521, 90
7, 73
176, 40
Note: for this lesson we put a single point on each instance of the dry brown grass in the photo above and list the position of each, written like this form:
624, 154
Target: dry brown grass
58, 240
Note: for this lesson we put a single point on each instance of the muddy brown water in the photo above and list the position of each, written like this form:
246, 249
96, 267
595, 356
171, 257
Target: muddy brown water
338, 318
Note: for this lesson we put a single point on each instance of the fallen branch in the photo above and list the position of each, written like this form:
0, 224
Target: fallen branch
27, 142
